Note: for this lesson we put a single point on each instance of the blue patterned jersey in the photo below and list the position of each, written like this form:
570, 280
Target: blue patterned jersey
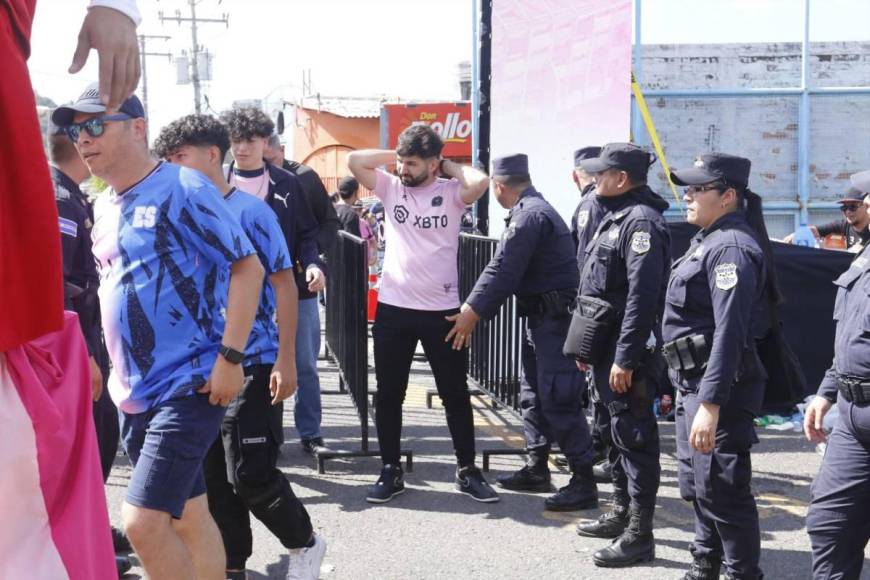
261, 226
161, 245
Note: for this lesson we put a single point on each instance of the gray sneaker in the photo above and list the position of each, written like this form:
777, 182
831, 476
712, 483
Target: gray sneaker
470, 481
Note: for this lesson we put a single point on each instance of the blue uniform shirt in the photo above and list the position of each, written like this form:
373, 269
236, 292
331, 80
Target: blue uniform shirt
261, 226
717, 289
627, 265
589, 213
535, 255
852, 337
75, 220
161, 245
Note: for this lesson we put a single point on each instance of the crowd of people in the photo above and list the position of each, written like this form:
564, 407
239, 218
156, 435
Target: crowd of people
196, 281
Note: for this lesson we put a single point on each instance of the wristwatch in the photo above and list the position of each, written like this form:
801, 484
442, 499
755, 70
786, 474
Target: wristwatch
231, 355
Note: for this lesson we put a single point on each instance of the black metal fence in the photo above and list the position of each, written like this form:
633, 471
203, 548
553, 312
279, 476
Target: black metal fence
494, 355
347, 335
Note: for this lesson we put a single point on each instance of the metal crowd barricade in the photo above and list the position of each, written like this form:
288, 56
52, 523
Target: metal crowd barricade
347, 336
494, 354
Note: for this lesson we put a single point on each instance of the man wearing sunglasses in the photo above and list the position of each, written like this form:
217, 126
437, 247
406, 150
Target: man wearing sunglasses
161, 237
853, 226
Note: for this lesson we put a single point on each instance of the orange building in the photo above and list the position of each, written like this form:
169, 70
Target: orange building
321, 137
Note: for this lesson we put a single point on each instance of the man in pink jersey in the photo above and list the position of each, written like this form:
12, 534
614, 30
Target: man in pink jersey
419, 289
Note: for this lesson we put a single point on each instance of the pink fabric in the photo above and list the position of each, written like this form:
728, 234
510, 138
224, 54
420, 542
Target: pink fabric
52, 377
257, 186
422, 229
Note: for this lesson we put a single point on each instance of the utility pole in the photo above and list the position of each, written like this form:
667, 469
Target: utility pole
194, 21
143, 53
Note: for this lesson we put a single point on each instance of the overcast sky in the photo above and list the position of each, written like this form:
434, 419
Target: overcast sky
397, 48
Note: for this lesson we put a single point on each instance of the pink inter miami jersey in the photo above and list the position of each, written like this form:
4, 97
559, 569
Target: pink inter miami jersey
422, 241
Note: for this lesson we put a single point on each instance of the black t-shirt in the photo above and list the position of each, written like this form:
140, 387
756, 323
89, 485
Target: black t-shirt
348, 219
843, 228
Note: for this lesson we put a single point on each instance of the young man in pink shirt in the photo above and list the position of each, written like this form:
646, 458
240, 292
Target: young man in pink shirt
419, 289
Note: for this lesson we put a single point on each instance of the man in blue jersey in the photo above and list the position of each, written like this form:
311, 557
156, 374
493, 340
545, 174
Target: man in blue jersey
240, 468
162, 236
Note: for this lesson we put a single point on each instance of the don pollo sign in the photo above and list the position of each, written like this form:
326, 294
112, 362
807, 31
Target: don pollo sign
450, 120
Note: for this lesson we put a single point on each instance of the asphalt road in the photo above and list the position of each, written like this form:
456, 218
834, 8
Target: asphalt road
432, 532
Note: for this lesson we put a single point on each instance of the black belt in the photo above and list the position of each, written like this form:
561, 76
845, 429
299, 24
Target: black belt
853, 389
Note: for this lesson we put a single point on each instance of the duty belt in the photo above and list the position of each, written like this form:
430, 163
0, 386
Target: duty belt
853, 389
687, 354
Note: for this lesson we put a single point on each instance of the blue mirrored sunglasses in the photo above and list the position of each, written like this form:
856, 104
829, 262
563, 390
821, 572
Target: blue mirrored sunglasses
94, 126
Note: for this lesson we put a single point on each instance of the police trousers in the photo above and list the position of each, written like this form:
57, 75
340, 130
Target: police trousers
837, 521
718, 485
635, 434
241, 476
551, 392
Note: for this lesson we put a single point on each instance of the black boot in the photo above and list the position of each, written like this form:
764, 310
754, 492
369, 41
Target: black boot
534, 476
581, 492
603, 471
611, 524
704, 567
634, 546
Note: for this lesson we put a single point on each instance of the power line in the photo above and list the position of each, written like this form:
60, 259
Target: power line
143, 53
194, 22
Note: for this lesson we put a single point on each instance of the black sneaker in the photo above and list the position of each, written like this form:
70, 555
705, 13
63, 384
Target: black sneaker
390, 484
535, 479
315, 446
120, 541
470, 481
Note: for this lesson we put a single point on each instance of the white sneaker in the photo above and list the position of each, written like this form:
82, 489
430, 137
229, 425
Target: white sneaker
305, 562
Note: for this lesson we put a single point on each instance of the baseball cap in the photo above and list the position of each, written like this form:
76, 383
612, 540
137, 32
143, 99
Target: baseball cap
853, 194
712, 167
625, 156
89, 102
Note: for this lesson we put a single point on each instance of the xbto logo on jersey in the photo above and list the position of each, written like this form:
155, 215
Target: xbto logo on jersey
400, 212
430, 222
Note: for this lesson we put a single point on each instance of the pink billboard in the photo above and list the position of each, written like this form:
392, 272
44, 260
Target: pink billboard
561, 80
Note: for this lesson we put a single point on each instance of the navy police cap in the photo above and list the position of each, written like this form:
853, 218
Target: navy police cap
710, 167
585, 153
516, 164
623, 156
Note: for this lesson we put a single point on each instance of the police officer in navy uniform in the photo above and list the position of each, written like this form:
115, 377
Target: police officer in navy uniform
626, 267
535, 261
584, 222
717, 306
75, 219
837, 521
589, 211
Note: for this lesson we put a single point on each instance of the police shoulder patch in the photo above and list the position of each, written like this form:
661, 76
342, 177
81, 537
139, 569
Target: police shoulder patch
726, 276
60, 192
583, 218
509, 231
640, 242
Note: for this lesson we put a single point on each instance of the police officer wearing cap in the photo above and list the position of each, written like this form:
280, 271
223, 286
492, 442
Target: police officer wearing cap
535, 261
717, 306
584, 222
837, 521
589, 211
625, 271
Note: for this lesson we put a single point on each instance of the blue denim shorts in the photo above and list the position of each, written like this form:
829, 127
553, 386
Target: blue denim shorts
166, 445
